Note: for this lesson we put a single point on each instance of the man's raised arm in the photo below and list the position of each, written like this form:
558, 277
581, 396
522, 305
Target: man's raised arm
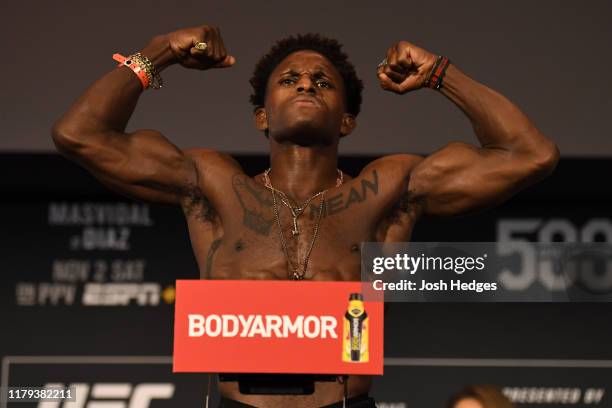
142, 164
460, 177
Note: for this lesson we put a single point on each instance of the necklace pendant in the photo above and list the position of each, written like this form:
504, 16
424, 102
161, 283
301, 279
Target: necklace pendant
295, 230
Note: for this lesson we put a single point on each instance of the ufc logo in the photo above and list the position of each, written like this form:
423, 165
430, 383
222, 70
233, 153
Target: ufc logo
112, 395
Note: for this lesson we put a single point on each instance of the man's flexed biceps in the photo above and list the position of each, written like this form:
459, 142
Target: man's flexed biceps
143, 164
461, 177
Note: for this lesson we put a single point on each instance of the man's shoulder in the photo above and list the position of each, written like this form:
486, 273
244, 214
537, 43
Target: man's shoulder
394, 164
208, 158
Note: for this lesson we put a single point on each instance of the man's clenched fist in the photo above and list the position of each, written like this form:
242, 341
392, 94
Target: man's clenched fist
407, 68
183, 46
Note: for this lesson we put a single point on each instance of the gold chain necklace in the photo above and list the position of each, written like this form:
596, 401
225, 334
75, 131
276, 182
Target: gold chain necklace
299, 210
296, 212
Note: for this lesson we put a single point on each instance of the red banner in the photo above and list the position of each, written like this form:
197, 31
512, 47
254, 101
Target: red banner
302, 327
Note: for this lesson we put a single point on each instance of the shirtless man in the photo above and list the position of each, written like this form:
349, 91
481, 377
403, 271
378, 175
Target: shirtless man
309, 100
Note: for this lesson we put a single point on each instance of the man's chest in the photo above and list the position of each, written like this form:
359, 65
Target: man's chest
276, 244
257, 233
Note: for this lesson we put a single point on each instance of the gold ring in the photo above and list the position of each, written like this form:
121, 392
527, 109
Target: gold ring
201, 46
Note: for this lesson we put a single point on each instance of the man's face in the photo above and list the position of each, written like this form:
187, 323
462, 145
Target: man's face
305, 101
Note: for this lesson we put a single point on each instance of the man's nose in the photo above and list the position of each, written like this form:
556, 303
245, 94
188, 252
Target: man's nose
305, 84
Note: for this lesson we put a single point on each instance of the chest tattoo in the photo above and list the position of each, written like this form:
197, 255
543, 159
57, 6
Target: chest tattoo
256, 204
340, 202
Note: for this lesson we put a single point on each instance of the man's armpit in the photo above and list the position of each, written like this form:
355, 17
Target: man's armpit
408, 205
195, 204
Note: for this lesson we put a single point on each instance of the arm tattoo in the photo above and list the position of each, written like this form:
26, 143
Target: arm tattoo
209, 258
256, 204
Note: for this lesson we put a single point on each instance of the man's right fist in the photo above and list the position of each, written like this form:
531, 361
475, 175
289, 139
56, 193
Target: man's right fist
182, 44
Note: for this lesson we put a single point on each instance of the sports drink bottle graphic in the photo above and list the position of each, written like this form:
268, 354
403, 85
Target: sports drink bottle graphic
355, 335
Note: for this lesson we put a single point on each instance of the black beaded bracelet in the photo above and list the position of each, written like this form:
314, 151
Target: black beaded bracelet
434, 81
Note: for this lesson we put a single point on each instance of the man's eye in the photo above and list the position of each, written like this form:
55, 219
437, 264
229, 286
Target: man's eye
287, 81
323, 84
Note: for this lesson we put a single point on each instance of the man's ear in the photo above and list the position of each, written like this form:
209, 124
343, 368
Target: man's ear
348, 124
261, 119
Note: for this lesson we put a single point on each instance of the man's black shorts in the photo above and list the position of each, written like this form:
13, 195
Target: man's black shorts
360, 401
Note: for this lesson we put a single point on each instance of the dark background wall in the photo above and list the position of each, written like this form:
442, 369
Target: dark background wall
548, 56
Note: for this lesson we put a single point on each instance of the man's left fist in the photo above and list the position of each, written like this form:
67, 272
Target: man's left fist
405, 68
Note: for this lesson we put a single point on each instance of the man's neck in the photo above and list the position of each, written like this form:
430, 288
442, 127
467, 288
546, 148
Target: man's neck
301, 171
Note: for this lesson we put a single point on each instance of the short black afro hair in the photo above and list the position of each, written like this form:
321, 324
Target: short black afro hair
329, 48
